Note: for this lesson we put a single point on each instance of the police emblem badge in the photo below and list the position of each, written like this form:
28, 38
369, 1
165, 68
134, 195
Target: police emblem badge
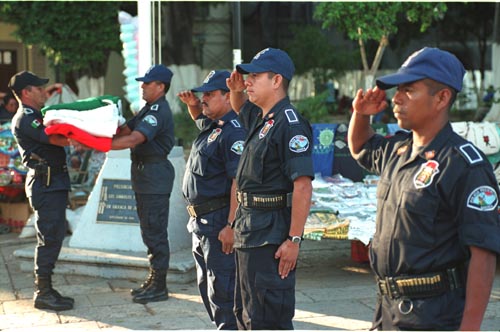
425, 174
265, 130
298, 143
213, 136
483, 198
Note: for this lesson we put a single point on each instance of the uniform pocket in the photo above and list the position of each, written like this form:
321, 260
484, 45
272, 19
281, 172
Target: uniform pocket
418, 211
276, 297
199, 164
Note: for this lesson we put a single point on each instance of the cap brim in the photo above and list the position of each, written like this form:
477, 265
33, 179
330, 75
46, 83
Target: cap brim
392, 80
246, 68
144, 79
208, 88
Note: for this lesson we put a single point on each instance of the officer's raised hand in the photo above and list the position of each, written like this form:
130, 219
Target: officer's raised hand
193, 103
370, 102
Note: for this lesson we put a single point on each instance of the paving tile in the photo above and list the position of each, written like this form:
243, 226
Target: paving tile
18, 321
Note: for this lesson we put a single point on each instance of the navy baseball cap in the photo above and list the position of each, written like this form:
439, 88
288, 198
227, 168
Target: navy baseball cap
157, 73
433, 63
269, 59
25, 78
215, 80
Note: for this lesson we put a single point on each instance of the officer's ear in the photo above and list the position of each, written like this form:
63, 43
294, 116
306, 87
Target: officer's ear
276, 79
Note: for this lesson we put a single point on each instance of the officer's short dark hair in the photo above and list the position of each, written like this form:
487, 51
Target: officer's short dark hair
286, 81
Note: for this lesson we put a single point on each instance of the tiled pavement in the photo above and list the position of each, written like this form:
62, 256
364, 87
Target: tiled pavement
333, 293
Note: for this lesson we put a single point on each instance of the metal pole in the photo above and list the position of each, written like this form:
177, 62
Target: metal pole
144, 37
237, 34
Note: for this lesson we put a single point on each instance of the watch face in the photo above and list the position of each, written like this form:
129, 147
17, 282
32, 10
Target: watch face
296, 239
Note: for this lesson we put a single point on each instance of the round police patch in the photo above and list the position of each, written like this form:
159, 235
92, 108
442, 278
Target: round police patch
151, 119
237, 147
483, 198
298, 143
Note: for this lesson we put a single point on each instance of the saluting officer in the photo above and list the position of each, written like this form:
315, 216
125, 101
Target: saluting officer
47, 183
438, 231
274, 191
150, 137
210, 191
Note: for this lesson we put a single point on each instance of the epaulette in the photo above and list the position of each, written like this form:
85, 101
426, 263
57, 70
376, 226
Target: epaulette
28, 111
292, 117
235, 123
470, 153
154, 107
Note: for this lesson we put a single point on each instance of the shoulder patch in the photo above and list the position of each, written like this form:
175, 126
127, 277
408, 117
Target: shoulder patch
298, 144
154, 107
483, 198
237, 147
470, 153
35, 123
151, 119
235, 123
291, 116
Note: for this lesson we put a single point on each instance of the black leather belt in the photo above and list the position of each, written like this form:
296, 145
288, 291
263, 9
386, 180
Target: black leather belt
197, 210
421, 286
264, 201
147, 159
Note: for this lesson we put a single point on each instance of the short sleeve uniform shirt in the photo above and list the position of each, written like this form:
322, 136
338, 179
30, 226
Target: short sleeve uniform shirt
431, 206
277, 151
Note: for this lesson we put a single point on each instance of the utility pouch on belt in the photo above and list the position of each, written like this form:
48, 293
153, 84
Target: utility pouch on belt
42, 171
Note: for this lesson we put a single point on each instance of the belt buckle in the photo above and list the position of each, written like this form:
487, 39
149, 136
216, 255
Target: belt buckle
191, 211
392, 288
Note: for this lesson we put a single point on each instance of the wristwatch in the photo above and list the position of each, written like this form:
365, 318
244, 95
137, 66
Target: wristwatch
295, 239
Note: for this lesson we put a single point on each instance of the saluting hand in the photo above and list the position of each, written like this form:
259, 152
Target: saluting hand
369, 103
235, 82
188, 98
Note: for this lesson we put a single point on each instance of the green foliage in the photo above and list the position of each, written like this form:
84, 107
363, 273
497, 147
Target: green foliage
311, 51
376, 19
74, 36
314, 109
185, 129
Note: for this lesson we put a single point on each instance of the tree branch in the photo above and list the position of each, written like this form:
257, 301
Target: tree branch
384, 41
363, 51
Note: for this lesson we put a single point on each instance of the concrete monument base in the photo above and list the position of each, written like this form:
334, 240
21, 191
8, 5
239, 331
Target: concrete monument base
107, 240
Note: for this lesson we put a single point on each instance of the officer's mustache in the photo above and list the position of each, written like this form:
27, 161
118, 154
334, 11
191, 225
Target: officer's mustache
204, 104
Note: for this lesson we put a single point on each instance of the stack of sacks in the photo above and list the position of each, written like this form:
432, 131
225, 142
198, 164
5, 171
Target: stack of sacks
91, 121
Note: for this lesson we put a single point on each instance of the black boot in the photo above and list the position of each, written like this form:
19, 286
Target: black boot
46, 297
144, 285
156, 291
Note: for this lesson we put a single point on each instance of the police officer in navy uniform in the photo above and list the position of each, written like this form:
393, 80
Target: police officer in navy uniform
438, 231
274, 191
150, 137
209, 188
47, 183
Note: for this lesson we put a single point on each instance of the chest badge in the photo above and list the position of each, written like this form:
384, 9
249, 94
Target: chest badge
213, 136
265, 130
425, 174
